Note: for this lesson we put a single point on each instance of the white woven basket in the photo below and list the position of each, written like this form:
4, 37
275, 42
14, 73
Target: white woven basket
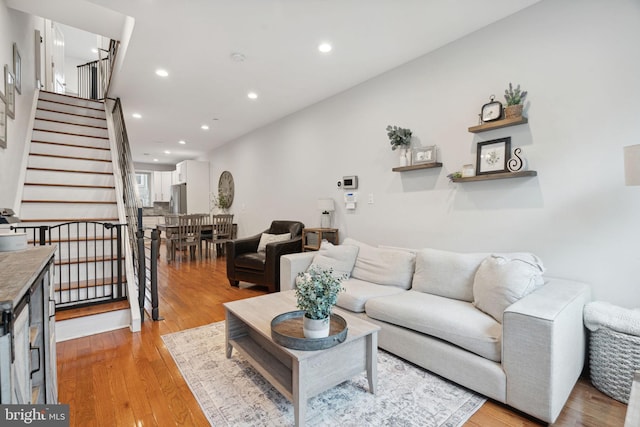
613, 358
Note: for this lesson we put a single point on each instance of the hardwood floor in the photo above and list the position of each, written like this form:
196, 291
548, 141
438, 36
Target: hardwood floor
129, 379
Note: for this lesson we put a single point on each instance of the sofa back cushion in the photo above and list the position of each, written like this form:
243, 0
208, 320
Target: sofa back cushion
387, 267
447, 274
502, 280
340, 258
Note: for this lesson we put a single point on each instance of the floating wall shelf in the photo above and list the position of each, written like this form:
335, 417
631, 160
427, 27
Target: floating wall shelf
490, 177
498, 124
416, 167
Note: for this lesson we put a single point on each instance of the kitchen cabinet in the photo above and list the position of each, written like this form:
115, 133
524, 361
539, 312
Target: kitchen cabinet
27, 333
162, 181
195, 174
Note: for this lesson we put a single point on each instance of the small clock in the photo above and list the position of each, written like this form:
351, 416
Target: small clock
226, 185
491, 111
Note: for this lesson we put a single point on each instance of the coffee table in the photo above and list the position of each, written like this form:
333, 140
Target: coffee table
298, 374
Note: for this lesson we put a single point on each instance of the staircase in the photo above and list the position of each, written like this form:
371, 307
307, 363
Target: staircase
70, 179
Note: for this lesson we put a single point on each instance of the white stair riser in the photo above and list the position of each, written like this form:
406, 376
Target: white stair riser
89, 271
39, 135
69, 128
69, 164
69, 178
71, 109
66, 211
84, 293
70, 100
61, 150
35, 192
83, 249
91, 325
70, 118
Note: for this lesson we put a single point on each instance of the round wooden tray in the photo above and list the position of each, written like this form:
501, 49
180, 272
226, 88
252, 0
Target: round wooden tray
286, 330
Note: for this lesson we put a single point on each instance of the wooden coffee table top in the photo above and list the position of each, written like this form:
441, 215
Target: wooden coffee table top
259, 311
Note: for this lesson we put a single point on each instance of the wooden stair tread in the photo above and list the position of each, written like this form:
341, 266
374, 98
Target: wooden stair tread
59, 156
68, 170
87, 260
46, 184
70, 145
70, 123
70, 133
58, 220
95, 101
74, 313
67, 113
79, 202
76, 239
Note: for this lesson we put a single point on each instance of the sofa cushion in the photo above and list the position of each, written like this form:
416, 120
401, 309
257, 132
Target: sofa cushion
358, 292
457, 322
340, 258
267, 238
382, 266
500, 281
251, 260
447, 274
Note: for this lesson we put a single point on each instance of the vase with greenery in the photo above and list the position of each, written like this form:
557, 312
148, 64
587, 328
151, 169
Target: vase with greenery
221, 201
515, 98
400, 138
317, 292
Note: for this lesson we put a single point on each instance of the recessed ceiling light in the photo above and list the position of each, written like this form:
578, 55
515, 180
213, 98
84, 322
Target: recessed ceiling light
182, 142
252, 95
238, 57
136, 115
155, 160
204, 127
162, 73
325, 47
167, 152
94, 50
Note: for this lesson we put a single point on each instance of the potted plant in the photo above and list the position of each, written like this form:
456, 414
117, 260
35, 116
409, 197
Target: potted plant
317, 292
400, 138
221, 201
515, 98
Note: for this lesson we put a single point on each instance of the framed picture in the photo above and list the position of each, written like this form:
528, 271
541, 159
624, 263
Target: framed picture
492, 156
10, 92
3, 122
423, 155
17, 68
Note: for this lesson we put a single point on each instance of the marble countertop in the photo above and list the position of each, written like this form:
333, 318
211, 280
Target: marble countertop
19, 270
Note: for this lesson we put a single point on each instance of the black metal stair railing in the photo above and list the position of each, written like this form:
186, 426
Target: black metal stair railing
89, 261
94, 78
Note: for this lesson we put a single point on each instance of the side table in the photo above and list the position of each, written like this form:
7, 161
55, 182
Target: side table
312, 237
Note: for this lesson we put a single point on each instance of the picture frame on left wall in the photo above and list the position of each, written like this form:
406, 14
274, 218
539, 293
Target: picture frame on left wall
17, 68
10, 92
3, 121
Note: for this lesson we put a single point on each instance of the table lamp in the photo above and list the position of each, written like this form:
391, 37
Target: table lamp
327, 207
632, 164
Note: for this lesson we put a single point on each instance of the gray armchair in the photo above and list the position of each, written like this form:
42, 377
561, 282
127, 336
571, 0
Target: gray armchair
245, 263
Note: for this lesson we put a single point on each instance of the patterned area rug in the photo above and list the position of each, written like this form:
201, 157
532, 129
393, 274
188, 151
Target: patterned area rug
232, 393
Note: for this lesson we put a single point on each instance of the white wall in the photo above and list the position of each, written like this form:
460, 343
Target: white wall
19, 28
581, 65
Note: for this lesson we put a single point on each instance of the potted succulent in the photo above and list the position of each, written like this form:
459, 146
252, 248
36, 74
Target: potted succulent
515, 98
400, 138
317, 292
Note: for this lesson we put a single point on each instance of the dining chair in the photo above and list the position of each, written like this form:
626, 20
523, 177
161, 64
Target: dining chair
221, 233
188, 236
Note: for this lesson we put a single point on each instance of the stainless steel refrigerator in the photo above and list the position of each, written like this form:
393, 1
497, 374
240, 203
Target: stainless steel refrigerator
178, 201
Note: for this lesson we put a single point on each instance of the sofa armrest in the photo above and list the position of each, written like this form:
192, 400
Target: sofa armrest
543, 347
291, 265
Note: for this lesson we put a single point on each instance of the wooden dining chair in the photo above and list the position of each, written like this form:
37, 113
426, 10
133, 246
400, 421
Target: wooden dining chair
222, 230
188, 236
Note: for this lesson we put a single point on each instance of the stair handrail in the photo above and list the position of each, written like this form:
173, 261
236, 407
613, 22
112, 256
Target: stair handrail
94, 77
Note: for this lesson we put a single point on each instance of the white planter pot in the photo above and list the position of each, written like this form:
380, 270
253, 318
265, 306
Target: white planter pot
403, 157
314, 328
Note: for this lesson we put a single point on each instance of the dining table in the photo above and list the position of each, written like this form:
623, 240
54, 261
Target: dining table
170, 229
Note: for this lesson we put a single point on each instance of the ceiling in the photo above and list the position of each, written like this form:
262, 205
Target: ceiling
194, 41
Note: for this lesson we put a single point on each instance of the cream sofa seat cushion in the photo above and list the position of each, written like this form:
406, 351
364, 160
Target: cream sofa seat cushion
447, 274
457, 322
358, 292
383, 266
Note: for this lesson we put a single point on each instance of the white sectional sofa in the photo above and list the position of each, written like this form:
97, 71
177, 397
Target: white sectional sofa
489, 322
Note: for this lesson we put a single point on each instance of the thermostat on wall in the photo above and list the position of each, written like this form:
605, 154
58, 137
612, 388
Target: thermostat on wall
348, 182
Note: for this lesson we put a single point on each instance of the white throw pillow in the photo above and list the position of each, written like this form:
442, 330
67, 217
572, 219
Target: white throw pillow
500, 281
267, 238
340, 258
382, 266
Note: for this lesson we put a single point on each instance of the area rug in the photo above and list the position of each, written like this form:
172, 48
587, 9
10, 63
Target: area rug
231, 393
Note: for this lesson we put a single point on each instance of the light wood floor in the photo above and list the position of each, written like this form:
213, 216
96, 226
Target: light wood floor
129, 379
